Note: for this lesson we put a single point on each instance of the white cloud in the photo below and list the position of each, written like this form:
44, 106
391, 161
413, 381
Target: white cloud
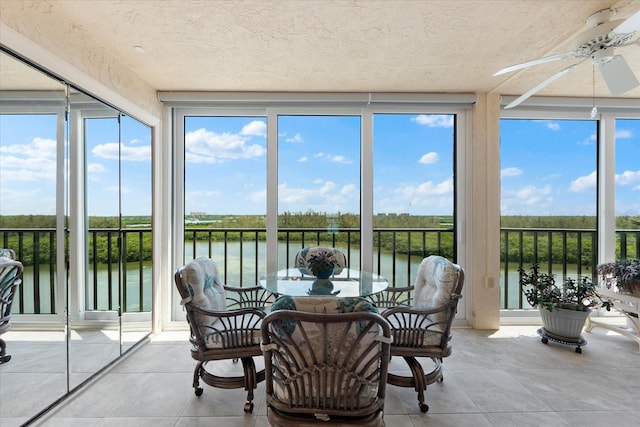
255, 128
434, 120
427, 188
340, 159
332, 158
33, 161
429, 158
323, 196
303, 159
628, 178
623, 134
296, 138
110, 151
553, 126
518, 201
589, 141
349, 189
203, 146
513, 171
583, 183
95, 168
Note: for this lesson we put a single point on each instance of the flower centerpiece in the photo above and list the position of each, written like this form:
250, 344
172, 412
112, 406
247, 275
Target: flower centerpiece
321, 262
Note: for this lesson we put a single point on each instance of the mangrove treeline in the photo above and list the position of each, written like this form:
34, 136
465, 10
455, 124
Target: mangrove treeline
566, 239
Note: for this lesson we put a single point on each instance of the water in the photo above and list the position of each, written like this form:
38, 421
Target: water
237, 267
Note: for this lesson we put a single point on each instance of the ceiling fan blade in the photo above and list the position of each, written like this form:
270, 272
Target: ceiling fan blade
618, 75
539, 86
543, 60
630, 25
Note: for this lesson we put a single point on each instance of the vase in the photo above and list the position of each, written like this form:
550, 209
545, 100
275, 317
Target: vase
321, 287
564, 324
323, 273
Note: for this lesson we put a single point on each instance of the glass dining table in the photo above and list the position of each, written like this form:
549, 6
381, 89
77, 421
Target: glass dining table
349, 283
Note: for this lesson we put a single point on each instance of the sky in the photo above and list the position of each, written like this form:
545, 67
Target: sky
547, 166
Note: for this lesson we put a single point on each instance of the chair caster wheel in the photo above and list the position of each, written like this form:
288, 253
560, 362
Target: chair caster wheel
248, 407
578, 350
199, 391
5, 359
424, 407
545, 341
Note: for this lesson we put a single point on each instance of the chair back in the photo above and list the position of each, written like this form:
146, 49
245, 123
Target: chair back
199, 284
10, 279
326, 358
437, 281
213, 325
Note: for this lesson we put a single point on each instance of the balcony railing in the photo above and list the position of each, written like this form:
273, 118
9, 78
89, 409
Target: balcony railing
566, 253
241, 254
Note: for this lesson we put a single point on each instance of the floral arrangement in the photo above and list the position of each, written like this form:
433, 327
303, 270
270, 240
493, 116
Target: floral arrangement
320, 261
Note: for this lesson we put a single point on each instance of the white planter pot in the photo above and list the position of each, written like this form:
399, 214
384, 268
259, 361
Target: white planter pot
564, 324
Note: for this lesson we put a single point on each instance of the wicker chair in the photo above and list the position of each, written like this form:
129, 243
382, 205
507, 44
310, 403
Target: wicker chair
224, 323
424, 329
326, 362
10, 279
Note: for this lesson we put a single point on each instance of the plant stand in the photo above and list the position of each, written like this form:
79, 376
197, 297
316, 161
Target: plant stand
628, 305
546, 337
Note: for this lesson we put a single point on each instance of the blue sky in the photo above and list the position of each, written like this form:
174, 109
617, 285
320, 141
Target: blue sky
547, 166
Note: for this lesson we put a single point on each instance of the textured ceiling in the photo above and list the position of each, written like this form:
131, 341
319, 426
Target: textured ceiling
346, 46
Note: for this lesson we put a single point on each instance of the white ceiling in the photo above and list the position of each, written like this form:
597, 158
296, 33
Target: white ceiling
448, 46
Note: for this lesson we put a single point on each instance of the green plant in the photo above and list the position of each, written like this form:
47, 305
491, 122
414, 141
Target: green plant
624, 274
541, 290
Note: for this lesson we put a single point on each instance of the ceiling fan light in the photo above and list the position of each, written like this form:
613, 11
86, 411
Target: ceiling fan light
602, 56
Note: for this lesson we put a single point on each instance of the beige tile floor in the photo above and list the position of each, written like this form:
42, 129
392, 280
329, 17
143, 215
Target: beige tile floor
494, 378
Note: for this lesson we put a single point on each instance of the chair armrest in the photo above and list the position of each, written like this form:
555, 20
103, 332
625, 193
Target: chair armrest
248, 297
392, 297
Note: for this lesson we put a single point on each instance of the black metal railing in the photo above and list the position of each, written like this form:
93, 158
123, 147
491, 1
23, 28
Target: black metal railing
241, 254
566, 253
36, 249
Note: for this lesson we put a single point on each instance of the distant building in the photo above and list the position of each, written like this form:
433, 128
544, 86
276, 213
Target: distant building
198, 214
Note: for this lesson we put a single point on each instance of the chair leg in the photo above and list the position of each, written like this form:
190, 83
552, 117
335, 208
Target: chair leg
196, 379
4, 357
419, 381
250, 381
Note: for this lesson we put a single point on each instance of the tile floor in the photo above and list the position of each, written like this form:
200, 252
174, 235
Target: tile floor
499, 378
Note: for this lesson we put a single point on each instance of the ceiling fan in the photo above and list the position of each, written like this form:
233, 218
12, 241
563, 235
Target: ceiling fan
598, 44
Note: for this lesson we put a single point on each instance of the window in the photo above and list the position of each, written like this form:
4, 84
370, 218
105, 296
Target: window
318, 184
413, 191
627, 188
548, 199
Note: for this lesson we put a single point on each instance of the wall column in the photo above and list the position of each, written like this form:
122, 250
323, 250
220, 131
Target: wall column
484, 216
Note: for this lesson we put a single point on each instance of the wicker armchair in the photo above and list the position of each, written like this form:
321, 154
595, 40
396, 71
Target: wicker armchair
224, 323
326, 362
424, 329
10, 278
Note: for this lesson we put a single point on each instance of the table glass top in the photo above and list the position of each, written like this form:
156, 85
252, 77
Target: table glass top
349, 283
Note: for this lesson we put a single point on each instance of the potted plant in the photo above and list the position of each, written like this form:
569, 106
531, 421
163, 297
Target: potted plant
563, 308
621, 276
620, 283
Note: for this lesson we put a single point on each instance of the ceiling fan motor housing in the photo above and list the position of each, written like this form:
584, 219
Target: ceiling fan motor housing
599, 38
